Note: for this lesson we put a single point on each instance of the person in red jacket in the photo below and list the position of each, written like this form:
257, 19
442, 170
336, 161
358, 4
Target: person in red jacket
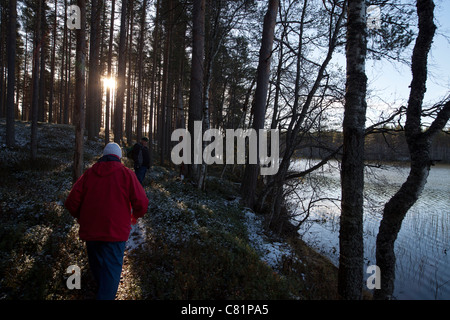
104, 200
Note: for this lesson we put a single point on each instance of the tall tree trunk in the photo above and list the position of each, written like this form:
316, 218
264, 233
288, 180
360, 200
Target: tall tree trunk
351, 258
248, 187
140, 72
297, 118
180, 121
80, 93
67, 82
3, 26
99, 112
62, 90
35, 98
196, 85
42, 90
52, 67
11, 57
419, 145
153, 80
25, 74
118, 113
129, 110
11, 52
215, 40
108, 89
93, 89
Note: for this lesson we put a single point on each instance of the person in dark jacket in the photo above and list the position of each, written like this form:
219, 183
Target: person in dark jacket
104, 200
141, 158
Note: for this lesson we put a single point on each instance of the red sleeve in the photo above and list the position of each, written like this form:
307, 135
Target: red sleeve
73, 201
138, 198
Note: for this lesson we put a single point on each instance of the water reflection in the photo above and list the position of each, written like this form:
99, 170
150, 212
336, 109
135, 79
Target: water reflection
423, 244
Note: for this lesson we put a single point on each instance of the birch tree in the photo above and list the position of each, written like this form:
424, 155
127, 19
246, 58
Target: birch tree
351, 258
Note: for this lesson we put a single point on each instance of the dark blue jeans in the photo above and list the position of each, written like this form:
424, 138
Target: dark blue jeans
140, 173
105, 261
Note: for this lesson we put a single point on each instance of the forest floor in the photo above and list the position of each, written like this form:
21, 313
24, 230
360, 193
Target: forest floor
190, 244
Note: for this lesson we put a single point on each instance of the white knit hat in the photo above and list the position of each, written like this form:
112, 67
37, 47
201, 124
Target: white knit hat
114, 149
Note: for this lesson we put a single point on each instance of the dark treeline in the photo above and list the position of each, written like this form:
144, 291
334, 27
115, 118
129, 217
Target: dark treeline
390, 146
147, 56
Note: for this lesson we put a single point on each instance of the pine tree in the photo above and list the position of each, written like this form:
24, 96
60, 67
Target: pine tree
80, 93
118, 114
248, 187
11, 54
35, 98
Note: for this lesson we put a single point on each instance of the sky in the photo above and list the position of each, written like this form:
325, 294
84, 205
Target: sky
388, 81
391, 82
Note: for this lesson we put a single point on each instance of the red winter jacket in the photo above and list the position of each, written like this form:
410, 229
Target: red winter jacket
102, 199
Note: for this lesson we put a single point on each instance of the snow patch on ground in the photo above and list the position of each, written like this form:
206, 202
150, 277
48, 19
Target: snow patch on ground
138, 236
271, 252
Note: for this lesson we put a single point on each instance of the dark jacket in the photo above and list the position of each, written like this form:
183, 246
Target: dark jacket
141, 156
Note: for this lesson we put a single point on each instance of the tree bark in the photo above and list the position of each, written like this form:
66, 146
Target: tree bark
140, 72
62, 90
35, 97
3, 26
67, 81
94, 89
25, 106
108, 89
197, 73
128, 108
118, 114
419, 145
248, 187
153, 81
52, 66
11, 57
80, 93
351, 258
43, 45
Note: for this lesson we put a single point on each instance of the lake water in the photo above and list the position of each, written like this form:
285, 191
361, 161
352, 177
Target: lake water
423, 244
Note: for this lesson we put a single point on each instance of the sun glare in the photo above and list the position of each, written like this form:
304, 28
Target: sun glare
109, 83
